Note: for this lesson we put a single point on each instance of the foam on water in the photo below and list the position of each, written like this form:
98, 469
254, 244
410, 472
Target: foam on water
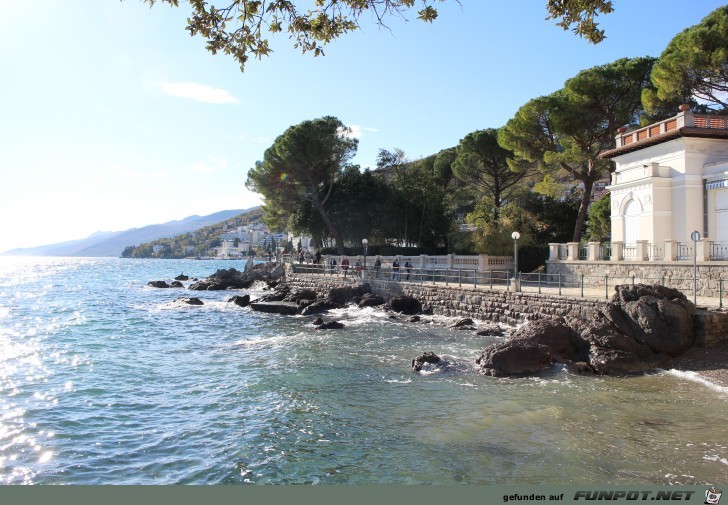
696, 377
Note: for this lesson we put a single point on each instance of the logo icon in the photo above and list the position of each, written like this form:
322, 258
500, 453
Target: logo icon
712, 496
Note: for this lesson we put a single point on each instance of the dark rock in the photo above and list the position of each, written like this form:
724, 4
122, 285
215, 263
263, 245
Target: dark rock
176, 284
319, 307
492, 330
580, 367
638, 330
306, 294
331, 325
181, 277
425, 357
414, 319
240, 300
190, 301
515, 358
463, 322
406, 305
552, 333
233, 279
370, 300
288, 308
471, 328
318, 321
343, 295
158, 284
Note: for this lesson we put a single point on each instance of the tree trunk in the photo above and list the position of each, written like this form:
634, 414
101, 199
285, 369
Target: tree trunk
330, 225
583, 209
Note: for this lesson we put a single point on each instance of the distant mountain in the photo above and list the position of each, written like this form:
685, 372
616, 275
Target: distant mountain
113, 243
199, 242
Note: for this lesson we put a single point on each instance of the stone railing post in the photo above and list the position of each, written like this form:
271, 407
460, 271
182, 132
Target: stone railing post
670, 250
554, 252
423, 261
617, 251
573, 250
593, 253
641, 250
483, 263
450, 259
702, 248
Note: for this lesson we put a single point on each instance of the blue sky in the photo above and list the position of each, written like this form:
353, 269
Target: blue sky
113, 117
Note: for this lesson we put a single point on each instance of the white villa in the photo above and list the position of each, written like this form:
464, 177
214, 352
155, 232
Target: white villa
671, 179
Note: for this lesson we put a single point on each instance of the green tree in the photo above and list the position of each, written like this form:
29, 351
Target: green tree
694, 66
301, 166
599, 227
240, 27
483, 164
567, 130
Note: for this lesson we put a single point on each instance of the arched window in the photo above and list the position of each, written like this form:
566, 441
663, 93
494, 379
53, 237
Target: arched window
631, 222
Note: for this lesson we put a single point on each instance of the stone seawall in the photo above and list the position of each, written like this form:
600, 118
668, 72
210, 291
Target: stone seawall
499, 306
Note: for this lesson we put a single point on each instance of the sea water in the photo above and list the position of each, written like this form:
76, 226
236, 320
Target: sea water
104, 380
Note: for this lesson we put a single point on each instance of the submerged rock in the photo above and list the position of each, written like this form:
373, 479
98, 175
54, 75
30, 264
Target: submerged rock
425, 357
277, 307
240, 300
158, 284
331, 325
181, 277
233, 279
190, 301
406, 305
492, 330
463, 322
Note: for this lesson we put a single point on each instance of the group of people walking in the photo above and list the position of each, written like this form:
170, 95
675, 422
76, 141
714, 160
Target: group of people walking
334, 267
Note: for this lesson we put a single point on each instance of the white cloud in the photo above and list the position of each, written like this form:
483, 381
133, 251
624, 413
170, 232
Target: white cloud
215, 165
198, 92
357, 131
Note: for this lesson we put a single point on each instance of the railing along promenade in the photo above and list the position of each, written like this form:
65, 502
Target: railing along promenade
574, 286
641, 250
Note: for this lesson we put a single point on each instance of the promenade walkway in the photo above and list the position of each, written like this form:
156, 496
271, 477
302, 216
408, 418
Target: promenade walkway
570, 287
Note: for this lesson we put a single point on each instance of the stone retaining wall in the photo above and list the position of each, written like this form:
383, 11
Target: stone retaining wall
499, 306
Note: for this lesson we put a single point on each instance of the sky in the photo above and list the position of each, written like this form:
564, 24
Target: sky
112, 117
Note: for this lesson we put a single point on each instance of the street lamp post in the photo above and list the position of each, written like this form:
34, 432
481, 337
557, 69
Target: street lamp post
364, 243
516, 281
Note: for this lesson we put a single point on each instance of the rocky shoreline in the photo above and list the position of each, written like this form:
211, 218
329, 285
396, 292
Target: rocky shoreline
643, 328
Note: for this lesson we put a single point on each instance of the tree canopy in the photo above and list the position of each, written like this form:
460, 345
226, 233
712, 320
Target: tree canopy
241, 27
483, 164
567, 130
301, 167
694, 66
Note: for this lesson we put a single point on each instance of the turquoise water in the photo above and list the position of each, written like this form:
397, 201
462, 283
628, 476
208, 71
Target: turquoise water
106, 381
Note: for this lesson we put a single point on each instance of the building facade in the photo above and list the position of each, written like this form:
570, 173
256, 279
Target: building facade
671, 179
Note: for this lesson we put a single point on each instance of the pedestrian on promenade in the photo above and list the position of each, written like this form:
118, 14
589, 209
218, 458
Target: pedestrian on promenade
358, 267
408, 266
377, 266
345, 265
333, 265
395, 270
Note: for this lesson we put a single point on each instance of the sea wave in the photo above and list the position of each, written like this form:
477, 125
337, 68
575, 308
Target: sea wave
696, 377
